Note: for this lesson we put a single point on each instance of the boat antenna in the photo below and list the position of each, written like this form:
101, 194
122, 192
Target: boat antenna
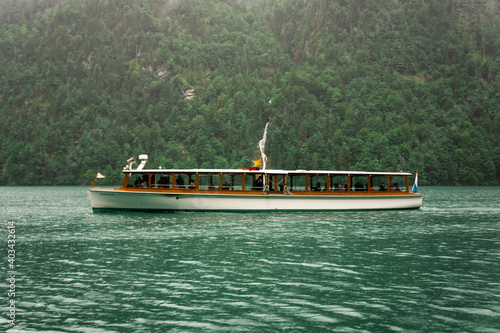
262, 144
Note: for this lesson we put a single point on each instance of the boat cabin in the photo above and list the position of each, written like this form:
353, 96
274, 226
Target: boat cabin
266, 181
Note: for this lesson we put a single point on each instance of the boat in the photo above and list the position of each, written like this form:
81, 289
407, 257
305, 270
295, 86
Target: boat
255, 189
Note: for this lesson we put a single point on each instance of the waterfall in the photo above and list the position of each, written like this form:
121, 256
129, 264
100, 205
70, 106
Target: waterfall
262, 144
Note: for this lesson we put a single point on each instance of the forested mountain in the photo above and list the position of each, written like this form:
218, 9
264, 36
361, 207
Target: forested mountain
382, 85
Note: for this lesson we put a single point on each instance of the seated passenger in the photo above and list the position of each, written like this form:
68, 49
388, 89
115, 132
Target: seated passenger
395, 187
144, 182
259, 184
286, 190
179, 182
192, 185
382, 187
164, 181
358, 187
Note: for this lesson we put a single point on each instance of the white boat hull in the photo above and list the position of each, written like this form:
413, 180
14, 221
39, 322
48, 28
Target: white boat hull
113, 199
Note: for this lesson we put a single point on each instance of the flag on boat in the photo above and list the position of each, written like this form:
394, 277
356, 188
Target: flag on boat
415, 184
98, 175
257, 163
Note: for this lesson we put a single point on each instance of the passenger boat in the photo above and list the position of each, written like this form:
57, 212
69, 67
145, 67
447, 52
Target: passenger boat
256, 189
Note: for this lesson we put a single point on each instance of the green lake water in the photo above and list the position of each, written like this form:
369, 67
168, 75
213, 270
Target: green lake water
435, 269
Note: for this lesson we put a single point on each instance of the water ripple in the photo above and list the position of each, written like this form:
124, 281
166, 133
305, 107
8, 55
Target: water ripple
433, 269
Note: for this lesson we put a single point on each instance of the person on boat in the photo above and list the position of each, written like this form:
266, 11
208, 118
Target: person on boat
286, 190
358, 187
382, 187
192, 185
395, 187
164, 181
259, 184
144, 183
340, 188
179, 182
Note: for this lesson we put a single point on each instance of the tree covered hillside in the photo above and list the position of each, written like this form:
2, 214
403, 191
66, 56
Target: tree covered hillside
368, 85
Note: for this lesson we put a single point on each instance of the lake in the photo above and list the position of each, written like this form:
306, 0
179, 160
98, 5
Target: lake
435, 269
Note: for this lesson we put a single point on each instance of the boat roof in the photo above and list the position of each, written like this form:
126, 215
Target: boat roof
270, 172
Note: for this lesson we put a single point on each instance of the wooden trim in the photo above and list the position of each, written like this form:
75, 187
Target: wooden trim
254, 192
125, 180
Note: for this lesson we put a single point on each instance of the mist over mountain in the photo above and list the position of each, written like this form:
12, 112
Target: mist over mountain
382, 85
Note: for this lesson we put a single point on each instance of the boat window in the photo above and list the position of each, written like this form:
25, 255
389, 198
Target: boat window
398, 184
138, 180
379, 183
317, 183
185, 181
276, 183
296, 182
254, 182
161, 180
232, 182
338, 183
208, 181
359, 183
